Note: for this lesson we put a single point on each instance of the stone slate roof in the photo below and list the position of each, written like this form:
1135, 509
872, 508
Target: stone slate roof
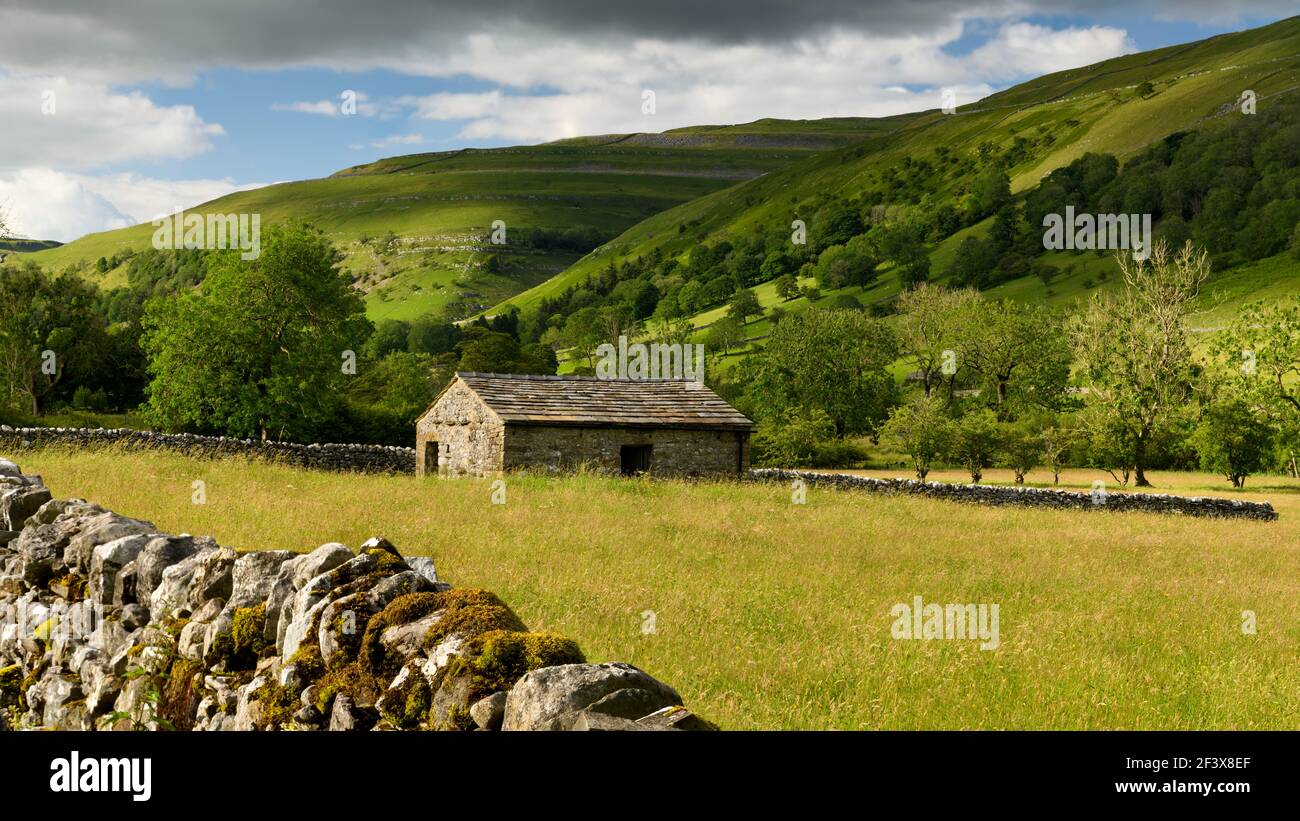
586, 401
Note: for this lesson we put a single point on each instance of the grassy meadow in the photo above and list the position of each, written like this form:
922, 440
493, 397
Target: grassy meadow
775, 615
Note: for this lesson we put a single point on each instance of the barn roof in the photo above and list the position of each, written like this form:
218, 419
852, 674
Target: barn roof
583, 401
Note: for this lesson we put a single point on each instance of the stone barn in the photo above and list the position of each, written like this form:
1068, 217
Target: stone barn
484, 423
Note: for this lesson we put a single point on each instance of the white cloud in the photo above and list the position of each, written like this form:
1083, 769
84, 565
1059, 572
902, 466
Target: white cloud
45, 204
49, 204
398, 140
325, 108
1035, 49
595, 91
53, 121
335, 108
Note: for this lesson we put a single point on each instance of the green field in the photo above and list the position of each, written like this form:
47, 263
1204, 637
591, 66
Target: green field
774, 615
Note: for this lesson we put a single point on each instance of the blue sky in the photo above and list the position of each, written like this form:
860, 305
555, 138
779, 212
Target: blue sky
158, 109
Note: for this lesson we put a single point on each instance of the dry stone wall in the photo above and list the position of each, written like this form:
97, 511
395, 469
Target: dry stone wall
1030, 496
107, 623
335, 457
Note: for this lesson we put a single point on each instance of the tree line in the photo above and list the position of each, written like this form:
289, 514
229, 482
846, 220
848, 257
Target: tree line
1121, 383
206, 342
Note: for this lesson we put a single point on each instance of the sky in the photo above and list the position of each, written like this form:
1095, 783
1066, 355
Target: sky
118, 111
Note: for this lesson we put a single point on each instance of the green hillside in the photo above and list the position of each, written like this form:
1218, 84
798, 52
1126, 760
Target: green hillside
557, 200
27, 245
1035, 127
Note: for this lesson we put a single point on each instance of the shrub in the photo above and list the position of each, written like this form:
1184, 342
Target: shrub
1022, 449
922, 431
1233, 440
976, 439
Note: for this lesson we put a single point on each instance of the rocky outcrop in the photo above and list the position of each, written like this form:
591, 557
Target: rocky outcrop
335, 457
1210, 506
106, 623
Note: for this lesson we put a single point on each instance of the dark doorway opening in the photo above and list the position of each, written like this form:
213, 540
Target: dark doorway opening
430, 458
635, 459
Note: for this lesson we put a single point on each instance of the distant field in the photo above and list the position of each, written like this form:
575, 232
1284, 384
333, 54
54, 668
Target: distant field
773, 615
441, 206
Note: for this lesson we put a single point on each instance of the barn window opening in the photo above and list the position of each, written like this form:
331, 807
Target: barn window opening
431, 457
635, 459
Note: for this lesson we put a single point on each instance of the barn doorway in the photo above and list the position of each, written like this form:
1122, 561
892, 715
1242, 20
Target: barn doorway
430, 458
635, 459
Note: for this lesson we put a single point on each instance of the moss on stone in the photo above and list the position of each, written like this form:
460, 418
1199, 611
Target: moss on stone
279, 704
246, 633
309, 663
387, 562
33, 676
402, 610
458, 718
222, 650
181, 693
351, 679
240, 648
74, 584
471, 612
11, 678
497, 659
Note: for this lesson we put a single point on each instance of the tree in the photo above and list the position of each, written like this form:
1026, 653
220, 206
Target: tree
390, 335
1135, 350
793, 439
989, 192
974, 263
52, 336
787, 287
429, 335
835, 224
1019, 352
776, 265
1259, 356
853, 263
837, 361
1057, 438
929, 321
584, 331
672, 331
1022, 448
1233, 439
261, 348
904, 243
976, 440
922, 430
724, 334
487, 351
744, 305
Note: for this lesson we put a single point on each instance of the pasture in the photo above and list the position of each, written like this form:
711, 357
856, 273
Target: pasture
772, 615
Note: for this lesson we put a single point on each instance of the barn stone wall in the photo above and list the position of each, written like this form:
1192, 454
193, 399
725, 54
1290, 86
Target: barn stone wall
469, 436
335, 457
675, 452
1020, 495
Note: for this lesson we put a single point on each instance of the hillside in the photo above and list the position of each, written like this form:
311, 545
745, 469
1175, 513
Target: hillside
1034, 128
557, 200
27, 245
